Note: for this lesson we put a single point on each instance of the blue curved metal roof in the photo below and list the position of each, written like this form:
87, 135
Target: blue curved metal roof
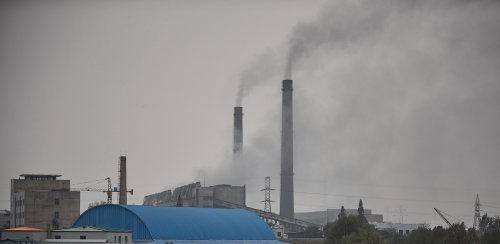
179, 223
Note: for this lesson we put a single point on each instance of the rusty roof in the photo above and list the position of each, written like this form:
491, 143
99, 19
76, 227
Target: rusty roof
24, 229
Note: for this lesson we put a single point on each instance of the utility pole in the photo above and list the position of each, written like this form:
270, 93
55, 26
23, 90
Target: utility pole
477, 213
267, 206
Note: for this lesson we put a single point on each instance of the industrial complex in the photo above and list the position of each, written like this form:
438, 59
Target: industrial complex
45, 209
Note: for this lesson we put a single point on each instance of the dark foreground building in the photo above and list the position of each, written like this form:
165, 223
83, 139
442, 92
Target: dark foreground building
156, 224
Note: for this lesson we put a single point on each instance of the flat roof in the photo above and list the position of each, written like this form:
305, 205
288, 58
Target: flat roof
74, 240
90, 228
42, 175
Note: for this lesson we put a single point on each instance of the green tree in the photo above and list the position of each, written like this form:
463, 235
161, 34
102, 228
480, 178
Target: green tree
366, 234
95, 204
342, 212
456, 234
483, 223
492, 233
313, 231
343, 226
391, 236
421, 235
361, 214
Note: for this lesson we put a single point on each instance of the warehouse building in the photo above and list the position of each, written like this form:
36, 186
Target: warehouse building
157, 224
39, 200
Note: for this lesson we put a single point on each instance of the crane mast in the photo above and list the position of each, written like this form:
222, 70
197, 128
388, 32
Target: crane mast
442, 216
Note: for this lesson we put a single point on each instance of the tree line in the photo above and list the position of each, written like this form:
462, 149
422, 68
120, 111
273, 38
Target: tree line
350, 229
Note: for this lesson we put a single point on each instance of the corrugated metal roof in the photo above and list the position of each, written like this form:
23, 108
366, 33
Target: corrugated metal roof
25, 229
179, 223
90, 228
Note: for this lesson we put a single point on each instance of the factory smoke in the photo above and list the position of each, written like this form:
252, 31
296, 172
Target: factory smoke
395, 102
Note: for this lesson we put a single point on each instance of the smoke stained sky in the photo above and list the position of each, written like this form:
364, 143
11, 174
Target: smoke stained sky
396, 102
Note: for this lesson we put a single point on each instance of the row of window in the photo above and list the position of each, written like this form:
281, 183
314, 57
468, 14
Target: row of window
120, 239
21, 202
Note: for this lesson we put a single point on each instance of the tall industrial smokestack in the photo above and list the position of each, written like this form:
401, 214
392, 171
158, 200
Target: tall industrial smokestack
238, 131
286, 195
123, 180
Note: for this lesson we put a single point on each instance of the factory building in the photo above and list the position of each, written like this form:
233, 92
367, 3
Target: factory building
41, 201
155, 224
330, 215
194, 195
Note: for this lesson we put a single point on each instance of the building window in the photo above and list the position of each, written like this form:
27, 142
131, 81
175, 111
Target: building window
56, 215
407, 232
400, 232
83, 237
119, 239
56, 201
126, 239
58, 237
279, 234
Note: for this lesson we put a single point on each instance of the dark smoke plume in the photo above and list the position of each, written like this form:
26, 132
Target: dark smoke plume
395, 102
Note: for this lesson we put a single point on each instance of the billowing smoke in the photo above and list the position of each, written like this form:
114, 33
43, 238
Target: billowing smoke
260, 71
395, 102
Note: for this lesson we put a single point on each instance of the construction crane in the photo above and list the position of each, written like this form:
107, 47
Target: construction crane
445, 220
442, 216
107, 191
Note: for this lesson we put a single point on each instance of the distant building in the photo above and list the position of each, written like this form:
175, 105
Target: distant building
279, 231
403, 229
24, 233
194, 195
40, 200
330, 215
91, 232
4, 219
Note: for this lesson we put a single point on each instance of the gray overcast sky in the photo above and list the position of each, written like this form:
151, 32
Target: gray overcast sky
396, 102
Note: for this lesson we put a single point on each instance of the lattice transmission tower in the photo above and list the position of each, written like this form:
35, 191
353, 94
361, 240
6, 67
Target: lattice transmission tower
267, 207
477, 213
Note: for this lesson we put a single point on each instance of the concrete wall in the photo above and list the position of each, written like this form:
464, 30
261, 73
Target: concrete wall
33, 235
204, 197
232, 194
279, 232
401, 228
197, 196
110, 236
